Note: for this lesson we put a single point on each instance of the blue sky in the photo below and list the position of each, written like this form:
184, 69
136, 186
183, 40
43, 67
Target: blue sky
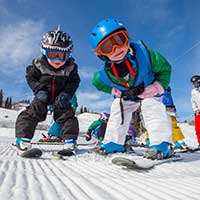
171, 27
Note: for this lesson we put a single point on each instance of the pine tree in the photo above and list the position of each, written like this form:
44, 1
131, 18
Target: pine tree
7, 102
10, 103
81, 110
1, 98
85, 109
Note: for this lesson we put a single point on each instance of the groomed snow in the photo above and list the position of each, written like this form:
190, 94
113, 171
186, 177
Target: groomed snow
90, 176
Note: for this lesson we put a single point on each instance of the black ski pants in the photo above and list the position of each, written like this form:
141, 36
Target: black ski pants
28, 119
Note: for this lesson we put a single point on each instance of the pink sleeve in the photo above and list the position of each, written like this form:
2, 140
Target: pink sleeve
115, 92
152, 90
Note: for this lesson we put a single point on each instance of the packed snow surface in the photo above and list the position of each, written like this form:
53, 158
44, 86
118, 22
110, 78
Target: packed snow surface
91, 176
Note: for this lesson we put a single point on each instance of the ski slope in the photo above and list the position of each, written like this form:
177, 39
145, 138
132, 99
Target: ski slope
90, 176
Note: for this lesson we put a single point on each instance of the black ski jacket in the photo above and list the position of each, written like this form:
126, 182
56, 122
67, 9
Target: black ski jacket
41, 76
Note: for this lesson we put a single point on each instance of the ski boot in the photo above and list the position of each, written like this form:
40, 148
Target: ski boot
180, 145
70, 147
132, 141
23, 144
70, 144
110, 147
147, 142
160, 151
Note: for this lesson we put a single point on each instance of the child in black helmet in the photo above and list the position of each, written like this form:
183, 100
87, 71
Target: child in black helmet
53, 77
195, 99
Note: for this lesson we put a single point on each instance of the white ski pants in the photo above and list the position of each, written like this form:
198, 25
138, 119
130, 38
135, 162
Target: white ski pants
155, 117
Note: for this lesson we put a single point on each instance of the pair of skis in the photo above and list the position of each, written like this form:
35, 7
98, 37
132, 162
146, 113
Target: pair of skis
37, 153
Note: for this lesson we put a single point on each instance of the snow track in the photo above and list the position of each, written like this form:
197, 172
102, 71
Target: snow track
90, 176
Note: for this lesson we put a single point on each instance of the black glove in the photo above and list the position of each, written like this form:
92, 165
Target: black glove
42, 96
133, 92
88, 135
62, 101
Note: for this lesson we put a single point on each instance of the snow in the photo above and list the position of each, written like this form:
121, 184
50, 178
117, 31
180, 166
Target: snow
90, 176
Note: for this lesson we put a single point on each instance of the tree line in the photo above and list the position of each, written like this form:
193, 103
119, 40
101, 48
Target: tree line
7, 103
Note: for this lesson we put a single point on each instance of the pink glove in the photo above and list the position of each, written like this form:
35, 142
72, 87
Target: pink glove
152, 90
115, 92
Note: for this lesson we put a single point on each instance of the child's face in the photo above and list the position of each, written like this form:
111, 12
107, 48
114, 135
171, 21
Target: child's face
56, 64
196, 84
114, 46
118, 54
56, 58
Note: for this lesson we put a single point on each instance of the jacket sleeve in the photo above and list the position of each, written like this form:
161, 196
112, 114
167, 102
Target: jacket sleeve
161, 68
33, 76
95, 124
100, 85
195, 100
72, 82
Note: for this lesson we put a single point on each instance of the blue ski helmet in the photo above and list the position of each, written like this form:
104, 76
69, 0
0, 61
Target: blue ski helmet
103, 29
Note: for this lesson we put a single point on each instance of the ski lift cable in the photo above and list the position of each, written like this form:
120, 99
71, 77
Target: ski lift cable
187, 51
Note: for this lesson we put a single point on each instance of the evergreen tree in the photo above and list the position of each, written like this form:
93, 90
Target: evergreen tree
81, 110
85, 109
10, 103
7, 102
1, 98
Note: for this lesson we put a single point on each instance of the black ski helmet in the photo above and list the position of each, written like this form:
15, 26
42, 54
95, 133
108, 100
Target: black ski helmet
195, 78
57, 40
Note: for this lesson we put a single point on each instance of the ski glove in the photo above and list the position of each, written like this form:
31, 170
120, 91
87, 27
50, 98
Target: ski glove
152, 90
88, 135
133, 92
62, 101
42, 96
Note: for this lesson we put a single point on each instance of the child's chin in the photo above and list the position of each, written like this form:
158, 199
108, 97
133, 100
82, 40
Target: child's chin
56, 65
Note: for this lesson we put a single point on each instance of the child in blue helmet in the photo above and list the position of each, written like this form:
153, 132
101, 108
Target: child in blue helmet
53, 77
134, 75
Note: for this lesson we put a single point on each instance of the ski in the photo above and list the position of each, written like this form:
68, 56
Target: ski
32, 153
61, 143
142, 163
187, 150
37, 153
63, 154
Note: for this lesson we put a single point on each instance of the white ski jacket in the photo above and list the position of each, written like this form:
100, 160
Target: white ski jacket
195, 99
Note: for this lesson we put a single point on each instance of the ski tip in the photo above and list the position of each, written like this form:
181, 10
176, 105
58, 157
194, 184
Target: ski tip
66, 153
122, 161
32, 153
